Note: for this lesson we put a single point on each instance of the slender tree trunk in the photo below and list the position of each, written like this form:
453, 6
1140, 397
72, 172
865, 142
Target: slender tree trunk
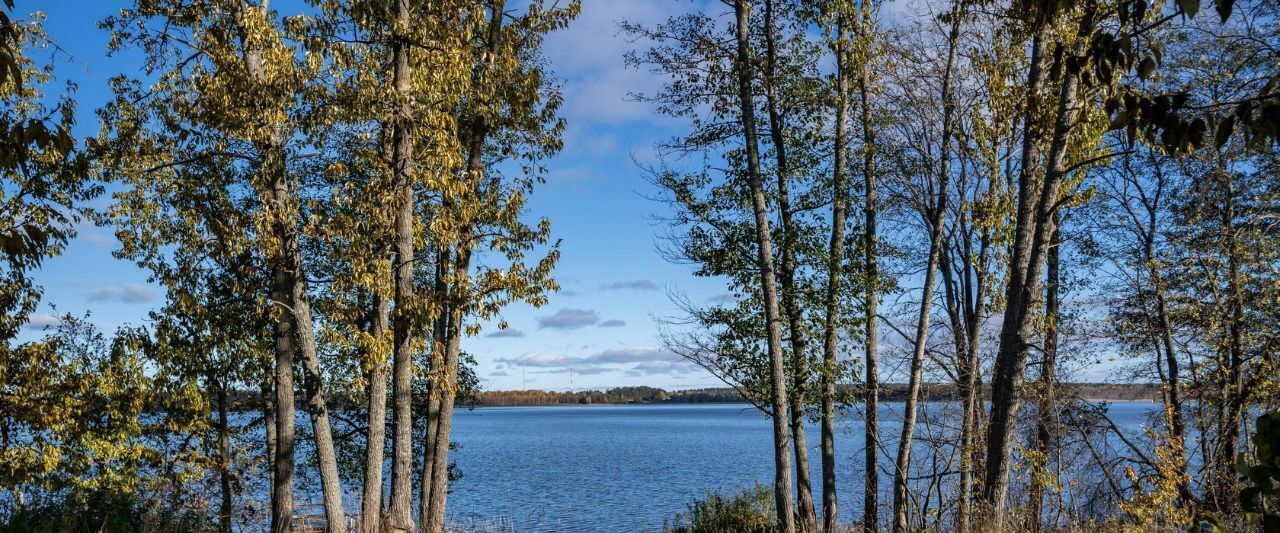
399, 513
903, 464
284, 462
272, 168
267, 397
835, 264
778, 379
448, 392
1226, 479
936, 220
313, 387
458, 295
1036, 202
294, 323
1047, 413
224, 458
871, 487
375, 445
1173, 394
790, 304
440, 342
804, 489
971, 392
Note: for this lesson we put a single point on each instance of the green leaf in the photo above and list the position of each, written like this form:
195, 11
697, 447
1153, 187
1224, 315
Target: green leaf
1189, 7
1145, 67
1225, 128
1224, 8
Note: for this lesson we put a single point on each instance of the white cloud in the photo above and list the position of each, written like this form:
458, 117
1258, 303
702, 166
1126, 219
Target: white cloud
638, 285
506, 334
569, 319
589, 56
131, 293
657, 357
40, 321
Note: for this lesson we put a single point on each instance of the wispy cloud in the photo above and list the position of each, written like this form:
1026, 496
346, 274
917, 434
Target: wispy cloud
667, 368
40, 321
569, 319
543, 360
726, 298
499, 374
635, 285
615, 356
131, 293
634, 355
506, 334
613, 323
580, 370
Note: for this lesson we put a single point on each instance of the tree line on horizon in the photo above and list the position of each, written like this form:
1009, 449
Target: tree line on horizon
988, 194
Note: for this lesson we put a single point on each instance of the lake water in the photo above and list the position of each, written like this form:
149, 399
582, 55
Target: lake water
629, 468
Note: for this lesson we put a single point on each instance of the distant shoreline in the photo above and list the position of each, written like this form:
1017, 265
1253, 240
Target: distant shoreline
1095, 392
737, 402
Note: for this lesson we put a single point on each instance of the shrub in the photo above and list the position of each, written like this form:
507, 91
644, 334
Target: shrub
102, 512
747, 511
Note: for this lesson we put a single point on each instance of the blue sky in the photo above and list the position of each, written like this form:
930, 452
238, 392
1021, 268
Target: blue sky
614, 281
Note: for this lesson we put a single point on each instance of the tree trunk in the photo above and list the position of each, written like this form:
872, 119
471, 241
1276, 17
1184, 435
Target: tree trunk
970, 391
448, 392
871, 487
1225, 478
1036, 202
1173, 394
375, 444
282, 476
402, 163
1047, 412
778, 378
835, 264
293, 323
804, 489
313, 387
224, 459
458, 298
268, 399
440, 342
790, 304
936, 220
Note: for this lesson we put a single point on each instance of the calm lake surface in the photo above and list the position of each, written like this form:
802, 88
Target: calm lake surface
628, 468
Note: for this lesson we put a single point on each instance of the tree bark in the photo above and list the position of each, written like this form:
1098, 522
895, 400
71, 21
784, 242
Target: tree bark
781, 431
269, 402
1036, 202
224, 458
313, 387
936, 220
1225, 477
375, 443
282, 479
399, 512
440, 342
458, 296
1173, 394
871, 486
448, 392
1047, 411
786, 279
294, 322
835, 264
